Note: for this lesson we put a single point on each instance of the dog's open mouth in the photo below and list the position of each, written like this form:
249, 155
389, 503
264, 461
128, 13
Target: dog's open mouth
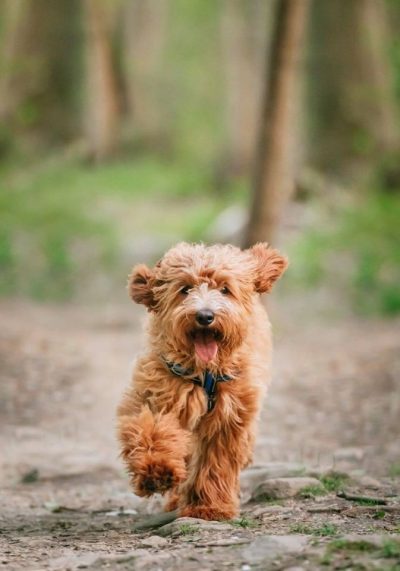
205, 343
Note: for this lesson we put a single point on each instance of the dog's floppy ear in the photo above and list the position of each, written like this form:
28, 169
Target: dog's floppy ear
270, 265
140, 285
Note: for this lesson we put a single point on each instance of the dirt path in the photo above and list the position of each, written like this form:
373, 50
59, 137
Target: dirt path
335, 402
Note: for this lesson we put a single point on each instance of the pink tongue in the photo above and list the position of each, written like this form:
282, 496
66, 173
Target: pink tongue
206, 349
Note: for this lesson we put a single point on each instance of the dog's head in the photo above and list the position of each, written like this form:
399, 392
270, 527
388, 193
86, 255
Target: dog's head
202, 297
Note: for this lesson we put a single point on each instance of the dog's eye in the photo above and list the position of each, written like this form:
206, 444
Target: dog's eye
225, 290
185, 290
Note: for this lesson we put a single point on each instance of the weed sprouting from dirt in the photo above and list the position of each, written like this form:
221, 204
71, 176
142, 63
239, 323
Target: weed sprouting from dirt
390, 548
244, 522
333, 482
325, 530
366, 501
187, 529
312, 492
348, 545
394, 470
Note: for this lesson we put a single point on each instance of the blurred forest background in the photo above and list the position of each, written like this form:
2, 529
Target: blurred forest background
128, 125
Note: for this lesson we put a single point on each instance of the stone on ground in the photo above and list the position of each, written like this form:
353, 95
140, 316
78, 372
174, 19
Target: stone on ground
268, 547
187, 525
254, 476
154, 541
283, 488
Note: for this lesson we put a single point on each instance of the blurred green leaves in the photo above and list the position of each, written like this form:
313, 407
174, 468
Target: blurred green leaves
67, 224
41, 227
359, 253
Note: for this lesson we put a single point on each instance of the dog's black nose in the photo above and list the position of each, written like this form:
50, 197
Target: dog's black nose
204, 317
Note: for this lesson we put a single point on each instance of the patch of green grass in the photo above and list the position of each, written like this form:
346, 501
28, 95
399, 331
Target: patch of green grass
333, 482
366, 502
348, 549
394, 470
379, 514
244, 522
390, 548
312, 492
301, 528
326, 559
187, 529
346, 545
326, 530
30, 477
366, 271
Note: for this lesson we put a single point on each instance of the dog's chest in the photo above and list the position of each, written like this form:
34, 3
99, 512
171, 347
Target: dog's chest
195, 410
191, 406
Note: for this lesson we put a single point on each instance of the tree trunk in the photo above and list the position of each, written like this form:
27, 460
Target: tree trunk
12, 13
102, 104
244, 39
351, 87
145, 27
39, 73
273, 180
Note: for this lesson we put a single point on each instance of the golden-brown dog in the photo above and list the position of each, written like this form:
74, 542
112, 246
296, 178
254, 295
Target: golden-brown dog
187, 423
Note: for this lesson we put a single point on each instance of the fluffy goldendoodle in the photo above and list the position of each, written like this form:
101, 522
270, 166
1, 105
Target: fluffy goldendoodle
187, 423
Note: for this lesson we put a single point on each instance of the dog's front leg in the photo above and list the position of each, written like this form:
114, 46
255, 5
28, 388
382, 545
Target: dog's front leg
211, 490
154, 447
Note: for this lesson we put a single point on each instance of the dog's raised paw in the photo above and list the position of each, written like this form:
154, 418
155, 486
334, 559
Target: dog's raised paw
156, 478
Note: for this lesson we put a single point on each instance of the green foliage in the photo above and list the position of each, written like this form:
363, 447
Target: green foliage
65, 223
326, 559
394, 470
187, 529
197, 114
361, 554
333, 482
312, 491
325, 530
347, 545
394, 44
360, 253
367, 501
244, 522
300, 528
41, 228
391, 548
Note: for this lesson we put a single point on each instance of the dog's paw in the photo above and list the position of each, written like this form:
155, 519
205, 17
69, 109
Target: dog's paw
212, 513
157, 478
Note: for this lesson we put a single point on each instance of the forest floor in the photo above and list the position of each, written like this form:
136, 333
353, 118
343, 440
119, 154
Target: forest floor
332, 414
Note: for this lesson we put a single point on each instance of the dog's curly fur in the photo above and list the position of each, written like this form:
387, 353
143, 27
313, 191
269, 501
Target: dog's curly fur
170, 443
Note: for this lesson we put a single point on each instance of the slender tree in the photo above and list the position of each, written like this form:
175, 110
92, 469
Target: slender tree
144, 39
354, 113
102, 99
273, 178
244, 39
